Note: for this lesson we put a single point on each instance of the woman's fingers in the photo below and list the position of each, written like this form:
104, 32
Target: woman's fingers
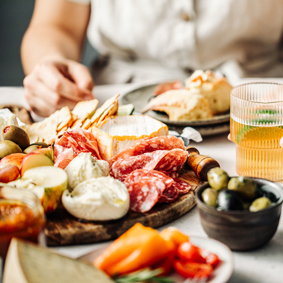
53, 85
53, 99
81, 75
53, 78
37, 105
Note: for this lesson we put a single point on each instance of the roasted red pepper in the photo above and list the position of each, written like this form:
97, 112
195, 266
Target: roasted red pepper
192, 269
188, 252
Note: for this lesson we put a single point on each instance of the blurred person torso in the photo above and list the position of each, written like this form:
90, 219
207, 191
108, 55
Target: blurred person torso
166, 39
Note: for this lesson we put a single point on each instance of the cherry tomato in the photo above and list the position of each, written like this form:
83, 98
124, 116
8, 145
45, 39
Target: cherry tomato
211, 258
192, 269
189, 252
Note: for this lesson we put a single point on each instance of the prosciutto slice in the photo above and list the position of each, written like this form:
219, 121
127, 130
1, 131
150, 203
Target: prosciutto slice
71, 144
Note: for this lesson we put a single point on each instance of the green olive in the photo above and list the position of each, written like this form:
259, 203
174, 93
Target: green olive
31, 148
260, 204
42, 144
8, 147
217, 178
209, 197
17, 135
244, 186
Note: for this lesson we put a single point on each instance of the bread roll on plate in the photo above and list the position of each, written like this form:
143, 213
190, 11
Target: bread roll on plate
181, 105
215, 88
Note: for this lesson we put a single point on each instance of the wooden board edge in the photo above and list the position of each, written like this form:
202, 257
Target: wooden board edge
64, 237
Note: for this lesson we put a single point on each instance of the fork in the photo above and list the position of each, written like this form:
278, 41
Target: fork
195, 280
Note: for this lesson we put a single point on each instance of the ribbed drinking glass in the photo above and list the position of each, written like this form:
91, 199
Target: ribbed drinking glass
256, 128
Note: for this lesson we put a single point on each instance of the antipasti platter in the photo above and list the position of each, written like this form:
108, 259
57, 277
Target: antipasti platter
81, 148
104, 174
64, 229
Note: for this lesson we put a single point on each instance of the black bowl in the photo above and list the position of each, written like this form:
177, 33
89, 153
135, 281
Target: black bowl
241, 230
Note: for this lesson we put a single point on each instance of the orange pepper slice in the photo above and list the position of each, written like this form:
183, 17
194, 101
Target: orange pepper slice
137, 248
141, 247
174, 235
149, 252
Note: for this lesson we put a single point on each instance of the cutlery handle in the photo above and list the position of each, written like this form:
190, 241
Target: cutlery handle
200, 164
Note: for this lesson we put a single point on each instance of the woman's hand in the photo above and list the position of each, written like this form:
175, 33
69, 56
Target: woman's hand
56, 83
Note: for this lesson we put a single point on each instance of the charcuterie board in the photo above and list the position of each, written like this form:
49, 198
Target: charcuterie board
64, 229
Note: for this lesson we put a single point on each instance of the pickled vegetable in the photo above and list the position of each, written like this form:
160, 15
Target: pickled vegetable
217, 178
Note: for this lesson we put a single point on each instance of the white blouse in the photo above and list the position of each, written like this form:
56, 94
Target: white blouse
160, 39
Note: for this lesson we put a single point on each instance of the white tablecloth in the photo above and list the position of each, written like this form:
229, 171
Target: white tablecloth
261, 265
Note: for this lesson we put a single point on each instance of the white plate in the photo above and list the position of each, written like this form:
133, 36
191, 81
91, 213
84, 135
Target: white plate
140, 96
220, 275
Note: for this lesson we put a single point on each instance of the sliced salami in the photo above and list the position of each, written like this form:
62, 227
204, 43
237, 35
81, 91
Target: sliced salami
182, 186
147, 187
170, 194
145, 193
149, 145
123, 167
173, 161
135, 176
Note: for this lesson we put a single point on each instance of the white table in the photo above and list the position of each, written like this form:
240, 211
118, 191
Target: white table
261, 265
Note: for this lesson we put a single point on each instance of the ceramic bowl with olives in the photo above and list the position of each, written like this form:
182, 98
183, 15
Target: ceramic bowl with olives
236, 193
241, 212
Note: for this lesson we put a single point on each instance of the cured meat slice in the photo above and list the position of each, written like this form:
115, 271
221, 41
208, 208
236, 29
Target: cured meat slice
80, 140
135, 176
149, 145
174, 161
147, 187
71, 144
123, 167
145, 194
163, 87
63, 156
139, 174
182, 186
170, 194
170, 161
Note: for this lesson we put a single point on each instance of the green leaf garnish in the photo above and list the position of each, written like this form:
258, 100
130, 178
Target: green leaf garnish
144, 275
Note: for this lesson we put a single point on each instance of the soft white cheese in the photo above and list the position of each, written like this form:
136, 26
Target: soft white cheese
7, 118
85, 167
103, 198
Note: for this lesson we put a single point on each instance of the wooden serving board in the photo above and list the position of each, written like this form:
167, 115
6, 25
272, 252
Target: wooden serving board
21, 112
64, 229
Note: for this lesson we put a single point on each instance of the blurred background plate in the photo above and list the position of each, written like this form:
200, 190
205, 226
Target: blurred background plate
140, 97
221, 274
